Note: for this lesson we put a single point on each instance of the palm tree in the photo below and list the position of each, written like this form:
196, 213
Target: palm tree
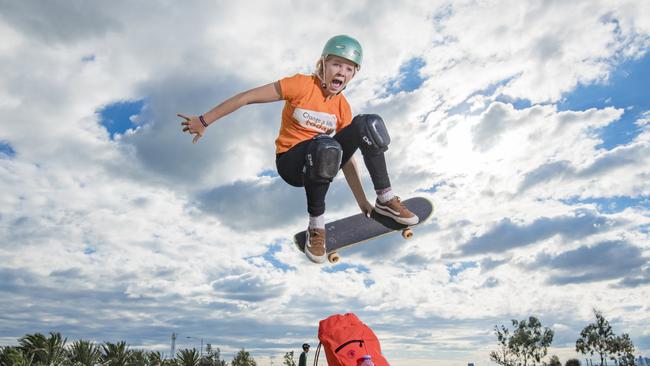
55, 349
138, 358
188, 357
167, 362
154, 358
13, 356
115, 354
48, 351
33, 345
212, 357
84, 353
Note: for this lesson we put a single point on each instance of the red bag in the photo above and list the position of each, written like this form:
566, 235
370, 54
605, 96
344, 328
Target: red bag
346, 340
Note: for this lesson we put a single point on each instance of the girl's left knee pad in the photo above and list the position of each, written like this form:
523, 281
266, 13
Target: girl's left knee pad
373, 133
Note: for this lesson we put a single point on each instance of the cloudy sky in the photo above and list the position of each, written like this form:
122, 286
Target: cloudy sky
526, 123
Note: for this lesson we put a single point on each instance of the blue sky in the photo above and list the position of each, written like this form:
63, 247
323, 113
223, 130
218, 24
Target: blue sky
7, 150
532, 143
408, 79
116, 117
624, 88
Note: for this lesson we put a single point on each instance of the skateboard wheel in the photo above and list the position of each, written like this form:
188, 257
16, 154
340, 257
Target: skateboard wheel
407, 234
333, 257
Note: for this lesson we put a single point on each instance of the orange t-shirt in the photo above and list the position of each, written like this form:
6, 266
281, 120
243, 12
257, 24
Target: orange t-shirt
307, 112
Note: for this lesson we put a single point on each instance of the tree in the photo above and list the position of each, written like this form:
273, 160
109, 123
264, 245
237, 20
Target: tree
168, 362
115, 354
530, 341
554, 361
137, 358
188, 357
503, 356
33, 345
208, 358
288, 359
597, 338
212, 357
622, 350
243, 358
154, 358
527, 345
83, 353
46, 350
572, 362
14, 356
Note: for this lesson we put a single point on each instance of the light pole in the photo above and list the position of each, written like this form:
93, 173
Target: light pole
201, 343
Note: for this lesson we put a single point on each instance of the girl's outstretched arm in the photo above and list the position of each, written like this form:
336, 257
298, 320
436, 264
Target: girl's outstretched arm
196, 125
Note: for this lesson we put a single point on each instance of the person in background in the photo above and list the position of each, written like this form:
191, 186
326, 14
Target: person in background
303, 356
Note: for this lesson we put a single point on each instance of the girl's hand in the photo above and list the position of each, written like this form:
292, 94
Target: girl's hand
366, 208
193, 126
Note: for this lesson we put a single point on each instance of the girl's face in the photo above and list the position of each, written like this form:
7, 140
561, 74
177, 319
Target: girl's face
337, 73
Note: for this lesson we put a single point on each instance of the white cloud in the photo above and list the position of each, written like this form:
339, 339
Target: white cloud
151, 234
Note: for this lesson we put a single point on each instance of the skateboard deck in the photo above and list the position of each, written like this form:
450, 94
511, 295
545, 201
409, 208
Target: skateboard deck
358, 228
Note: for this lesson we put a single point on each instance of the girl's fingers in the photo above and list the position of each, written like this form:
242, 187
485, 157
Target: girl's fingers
187, 127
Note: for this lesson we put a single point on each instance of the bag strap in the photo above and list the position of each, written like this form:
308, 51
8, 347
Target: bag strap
317, 354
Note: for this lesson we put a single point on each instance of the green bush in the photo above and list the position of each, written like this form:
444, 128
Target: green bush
572, 362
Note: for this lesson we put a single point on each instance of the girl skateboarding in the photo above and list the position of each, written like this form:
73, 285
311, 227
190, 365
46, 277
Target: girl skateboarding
318, 136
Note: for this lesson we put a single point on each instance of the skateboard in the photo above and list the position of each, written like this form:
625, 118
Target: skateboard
358, 228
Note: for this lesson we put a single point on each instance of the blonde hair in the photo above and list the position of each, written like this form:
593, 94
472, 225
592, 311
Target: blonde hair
319, 67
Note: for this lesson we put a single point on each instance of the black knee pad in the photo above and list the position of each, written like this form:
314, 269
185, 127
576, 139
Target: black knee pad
323, 159
373, 133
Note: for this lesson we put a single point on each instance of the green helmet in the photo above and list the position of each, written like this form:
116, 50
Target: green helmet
344, 46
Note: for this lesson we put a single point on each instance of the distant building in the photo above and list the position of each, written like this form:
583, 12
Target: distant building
643, 361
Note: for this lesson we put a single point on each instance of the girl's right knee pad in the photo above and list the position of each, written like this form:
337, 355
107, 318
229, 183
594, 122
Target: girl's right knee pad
323, 159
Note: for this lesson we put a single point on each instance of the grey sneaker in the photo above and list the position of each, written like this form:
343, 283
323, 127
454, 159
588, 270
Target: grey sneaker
315, 245
396, 210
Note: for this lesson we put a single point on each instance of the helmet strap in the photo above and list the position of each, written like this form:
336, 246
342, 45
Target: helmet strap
323, 84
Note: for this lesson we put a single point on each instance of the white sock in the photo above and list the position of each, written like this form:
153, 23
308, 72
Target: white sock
385, 195
317, 221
